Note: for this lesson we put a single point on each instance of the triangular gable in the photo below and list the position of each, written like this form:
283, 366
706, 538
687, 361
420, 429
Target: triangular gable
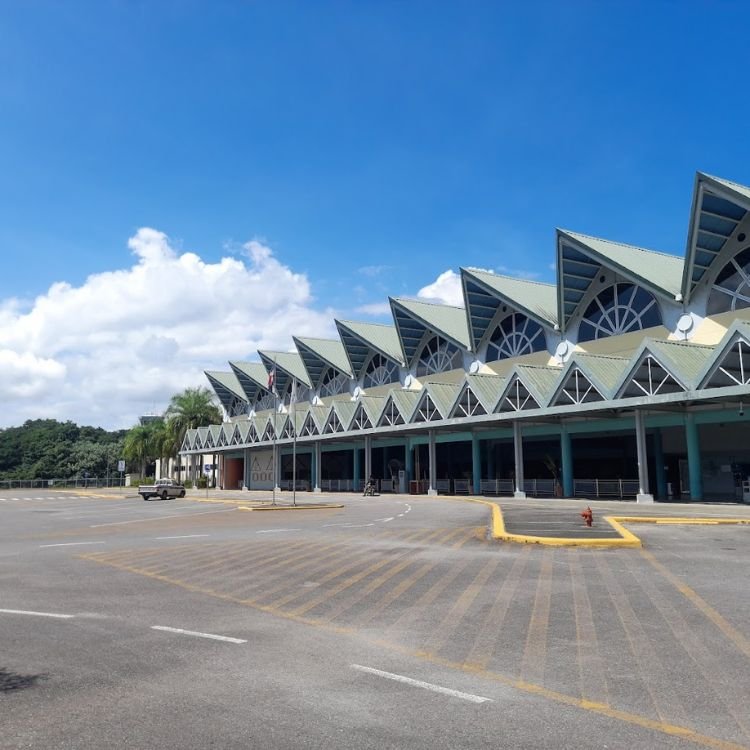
318, 355
490, 297
488, 388
661, 367
188, 441
319, 415
251, 434
443, 395
588, 377
286, 427
333, 423
413, 319
228, 390
360, 340
242, 433
361, 419
201, 437
225, 435
730, 364
252, 377
215, 432
468, 403
718, 208
580, 258
345, 411
269, 432
528, 388
289, 365
309, 426
426, 410
391, 415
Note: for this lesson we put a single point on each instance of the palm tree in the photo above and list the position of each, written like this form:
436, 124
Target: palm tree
194, 407
138, 446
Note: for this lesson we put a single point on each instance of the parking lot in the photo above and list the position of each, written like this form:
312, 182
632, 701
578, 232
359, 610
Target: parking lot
389, 622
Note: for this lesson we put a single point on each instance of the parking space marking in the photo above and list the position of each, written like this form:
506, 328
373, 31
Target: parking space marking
196, 634
424, 685
35, 614
275, 531
159, 518
68, 544
184, 536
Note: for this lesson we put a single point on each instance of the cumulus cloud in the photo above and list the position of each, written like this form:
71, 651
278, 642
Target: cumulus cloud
375, 308
124, 341
446, 289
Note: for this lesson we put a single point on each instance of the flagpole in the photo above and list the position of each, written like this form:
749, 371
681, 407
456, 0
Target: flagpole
294, 441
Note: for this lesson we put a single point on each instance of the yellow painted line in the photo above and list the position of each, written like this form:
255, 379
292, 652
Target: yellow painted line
538, 690
734, 635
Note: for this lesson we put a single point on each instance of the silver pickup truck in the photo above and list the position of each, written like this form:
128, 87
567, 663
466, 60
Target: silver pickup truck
163, 488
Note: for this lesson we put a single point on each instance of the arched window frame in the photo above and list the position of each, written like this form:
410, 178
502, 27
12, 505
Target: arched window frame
621, 307
515, 335
438, 355
333, 382
730, 289
380, 371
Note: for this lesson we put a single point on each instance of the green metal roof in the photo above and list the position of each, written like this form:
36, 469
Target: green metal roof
443, 395
252, 377
413, 318
227, 388
319, 415
360, 339
580, 257
345, 411
487, 388
485, 292
604, 371
718, 208
288, 365
320, 354
373, 406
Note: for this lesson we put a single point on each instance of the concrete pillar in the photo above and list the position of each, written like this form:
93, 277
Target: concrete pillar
246, 469
317, 466
566, 456
355, 468
644, 494
661, 474
368, 457
476, 464
692, 439
432, 458
518, 453
408, 462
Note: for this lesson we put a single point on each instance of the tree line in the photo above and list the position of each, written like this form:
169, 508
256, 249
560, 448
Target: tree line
48, 449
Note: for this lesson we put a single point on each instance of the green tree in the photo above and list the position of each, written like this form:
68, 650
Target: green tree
194, 407
139, 446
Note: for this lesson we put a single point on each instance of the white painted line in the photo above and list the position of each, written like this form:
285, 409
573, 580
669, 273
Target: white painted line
347, 525
69, 544
400, 515
158, 518
186, 536
384, 520
212, 636
36, 614
425, 685
275, 531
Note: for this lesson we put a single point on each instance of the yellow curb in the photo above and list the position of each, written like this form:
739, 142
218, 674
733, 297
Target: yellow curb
290, 507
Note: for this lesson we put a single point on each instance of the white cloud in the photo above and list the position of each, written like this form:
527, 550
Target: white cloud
375, 308
124, 341
445, 289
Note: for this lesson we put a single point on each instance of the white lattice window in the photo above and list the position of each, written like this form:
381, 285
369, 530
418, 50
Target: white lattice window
333, 382
438, 355
518, 398
266, 401
651, 379
468, 405
427, 411
333, 424
619, 308
380, 371
391, 415
577, 390
361, 421
731, 290
516, 335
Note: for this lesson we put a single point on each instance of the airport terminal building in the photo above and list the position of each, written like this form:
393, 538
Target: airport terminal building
628, 378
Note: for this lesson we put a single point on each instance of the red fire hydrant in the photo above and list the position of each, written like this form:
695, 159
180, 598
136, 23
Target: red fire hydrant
588, 516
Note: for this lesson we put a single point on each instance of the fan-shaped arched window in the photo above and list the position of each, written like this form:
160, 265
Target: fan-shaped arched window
438, 355
516, 335
333, 382
731, 290
620, 308
302, 393
266, 401
380, 371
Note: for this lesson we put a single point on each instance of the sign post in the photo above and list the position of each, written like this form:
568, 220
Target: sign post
121, 469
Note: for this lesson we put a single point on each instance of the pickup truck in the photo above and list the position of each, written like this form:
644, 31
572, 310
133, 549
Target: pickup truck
163, 488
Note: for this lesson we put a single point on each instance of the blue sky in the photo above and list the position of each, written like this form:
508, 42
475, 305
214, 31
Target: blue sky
371, 146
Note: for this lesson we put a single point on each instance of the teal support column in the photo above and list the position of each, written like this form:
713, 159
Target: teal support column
476, 463
661, 474
694, 458
355, 472
566, 457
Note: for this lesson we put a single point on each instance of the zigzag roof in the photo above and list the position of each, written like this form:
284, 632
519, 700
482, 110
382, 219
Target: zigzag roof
252, 377
288, 365
320, 354
359, 339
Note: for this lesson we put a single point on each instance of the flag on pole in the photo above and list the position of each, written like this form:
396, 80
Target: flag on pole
272, 379
293, 395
